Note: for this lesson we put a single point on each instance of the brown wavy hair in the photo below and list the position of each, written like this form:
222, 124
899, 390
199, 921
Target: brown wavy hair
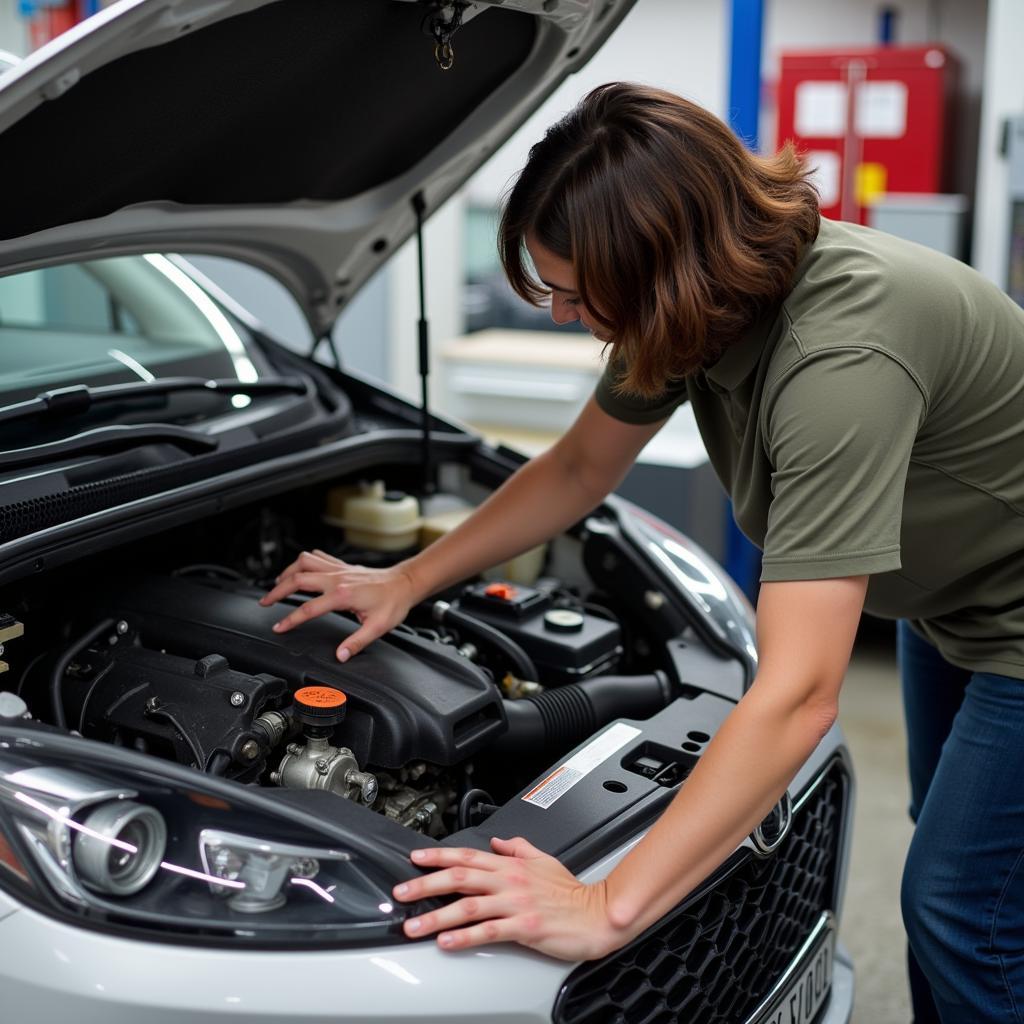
679, 236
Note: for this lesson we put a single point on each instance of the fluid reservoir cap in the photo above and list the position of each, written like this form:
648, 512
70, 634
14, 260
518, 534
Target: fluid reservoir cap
322, 706
502, 591
563, 620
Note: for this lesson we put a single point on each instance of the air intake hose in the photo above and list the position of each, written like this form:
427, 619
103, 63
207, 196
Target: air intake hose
563, 717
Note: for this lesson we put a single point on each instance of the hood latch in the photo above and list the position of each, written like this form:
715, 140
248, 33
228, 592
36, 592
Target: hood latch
441, 25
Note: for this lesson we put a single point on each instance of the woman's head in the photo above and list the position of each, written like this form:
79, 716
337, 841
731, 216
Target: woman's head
677, 236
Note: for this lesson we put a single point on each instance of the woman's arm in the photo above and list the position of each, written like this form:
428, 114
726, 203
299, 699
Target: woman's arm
544, 497
805, 634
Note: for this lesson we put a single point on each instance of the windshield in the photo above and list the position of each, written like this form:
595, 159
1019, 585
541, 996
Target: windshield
126, 318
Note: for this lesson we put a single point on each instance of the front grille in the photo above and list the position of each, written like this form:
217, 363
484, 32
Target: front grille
713, 959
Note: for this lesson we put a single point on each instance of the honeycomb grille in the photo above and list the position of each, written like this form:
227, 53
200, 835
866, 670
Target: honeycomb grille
713, 960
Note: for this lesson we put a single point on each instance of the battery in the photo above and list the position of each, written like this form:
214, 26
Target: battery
565, 644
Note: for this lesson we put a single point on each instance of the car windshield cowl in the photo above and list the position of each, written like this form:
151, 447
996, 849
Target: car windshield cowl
81, 397
113, 437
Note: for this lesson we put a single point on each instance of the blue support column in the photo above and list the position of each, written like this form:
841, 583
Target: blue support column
746, 33
742, 559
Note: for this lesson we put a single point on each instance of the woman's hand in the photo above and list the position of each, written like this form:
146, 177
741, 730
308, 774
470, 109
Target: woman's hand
517, 894
379, 598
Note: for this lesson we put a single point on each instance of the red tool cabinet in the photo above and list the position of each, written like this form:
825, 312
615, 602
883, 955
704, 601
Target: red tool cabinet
871, 121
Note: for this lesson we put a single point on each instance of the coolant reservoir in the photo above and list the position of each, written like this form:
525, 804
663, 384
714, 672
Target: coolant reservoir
445, 512
375, 518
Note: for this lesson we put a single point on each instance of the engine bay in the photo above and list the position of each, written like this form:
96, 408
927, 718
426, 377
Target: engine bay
163, 648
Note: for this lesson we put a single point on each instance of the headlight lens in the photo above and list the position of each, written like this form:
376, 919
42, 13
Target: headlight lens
120, 847
126, 845
705, 582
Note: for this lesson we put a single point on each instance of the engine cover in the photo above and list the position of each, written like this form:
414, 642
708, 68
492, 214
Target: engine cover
191, 709
408, 698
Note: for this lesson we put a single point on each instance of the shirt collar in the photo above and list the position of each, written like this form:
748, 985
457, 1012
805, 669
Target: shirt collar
740, 359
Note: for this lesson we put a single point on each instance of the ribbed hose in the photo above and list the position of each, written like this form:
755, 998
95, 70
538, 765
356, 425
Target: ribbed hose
559, 719
566, 713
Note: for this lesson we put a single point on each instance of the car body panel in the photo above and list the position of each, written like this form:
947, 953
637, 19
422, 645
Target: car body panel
53, 972
53, 969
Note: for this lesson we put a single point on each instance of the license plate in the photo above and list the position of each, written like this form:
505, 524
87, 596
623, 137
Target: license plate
805, 990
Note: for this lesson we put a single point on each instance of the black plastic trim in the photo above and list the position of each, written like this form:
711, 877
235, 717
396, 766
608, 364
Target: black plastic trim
99, 531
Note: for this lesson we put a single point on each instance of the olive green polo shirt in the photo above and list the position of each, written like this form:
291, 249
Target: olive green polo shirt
874, 424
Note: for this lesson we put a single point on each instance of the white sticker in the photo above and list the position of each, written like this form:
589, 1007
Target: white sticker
820, 110
581, 764
825, 176
881, 110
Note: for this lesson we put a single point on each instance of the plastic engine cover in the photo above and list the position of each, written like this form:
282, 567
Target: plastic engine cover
408, 698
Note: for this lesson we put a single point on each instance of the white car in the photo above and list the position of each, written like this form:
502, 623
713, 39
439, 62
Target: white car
201, 820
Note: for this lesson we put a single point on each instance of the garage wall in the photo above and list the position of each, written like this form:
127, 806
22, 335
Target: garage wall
13, 34
1004, 97
680, 45
959, 24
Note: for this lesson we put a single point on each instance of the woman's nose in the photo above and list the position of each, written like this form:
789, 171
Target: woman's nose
562, 312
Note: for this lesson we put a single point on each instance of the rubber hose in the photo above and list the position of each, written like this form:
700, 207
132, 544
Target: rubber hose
219, 763
475, 801
522, 664
107, 626
563, 717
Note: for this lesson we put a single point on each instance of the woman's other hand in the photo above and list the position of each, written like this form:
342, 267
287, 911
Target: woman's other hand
516, 894
379, 598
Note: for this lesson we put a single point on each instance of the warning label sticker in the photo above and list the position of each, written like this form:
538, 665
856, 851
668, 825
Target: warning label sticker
581, 764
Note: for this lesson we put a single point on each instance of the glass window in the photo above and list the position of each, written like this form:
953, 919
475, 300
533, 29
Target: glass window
112, 320
487, 299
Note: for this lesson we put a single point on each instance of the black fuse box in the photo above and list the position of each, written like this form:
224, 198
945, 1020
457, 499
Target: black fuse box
566, 645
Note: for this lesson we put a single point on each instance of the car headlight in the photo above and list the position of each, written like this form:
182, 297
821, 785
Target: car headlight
115, 840
120, 847
697, 575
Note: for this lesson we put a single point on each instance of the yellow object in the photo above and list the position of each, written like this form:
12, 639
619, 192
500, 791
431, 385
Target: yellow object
10, 632
870, 181
336, 498
436, 525
375, 518
524, 568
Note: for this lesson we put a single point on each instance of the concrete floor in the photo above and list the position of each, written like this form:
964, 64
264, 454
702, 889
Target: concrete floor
872, 718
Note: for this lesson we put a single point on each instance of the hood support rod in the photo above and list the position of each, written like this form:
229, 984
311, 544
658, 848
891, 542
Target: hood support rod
419, 207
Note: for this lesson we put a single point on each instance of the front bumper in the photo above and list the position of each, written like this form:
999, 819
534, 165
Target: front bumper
53, 972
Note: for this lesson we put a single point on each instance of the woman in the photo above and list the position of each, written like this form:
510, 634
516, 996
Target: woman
862, 400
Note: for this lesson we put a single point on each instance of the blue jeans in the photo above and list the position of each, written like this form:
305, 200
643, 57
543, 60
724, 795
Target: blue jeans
963, 884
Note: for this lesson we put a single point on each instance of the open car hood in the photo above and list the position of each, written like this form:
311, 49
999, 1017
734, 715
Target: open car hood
292, 134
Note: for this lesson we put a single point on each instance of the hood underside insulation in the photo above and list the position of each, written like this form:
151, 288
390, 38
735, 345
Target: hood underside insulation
299, 99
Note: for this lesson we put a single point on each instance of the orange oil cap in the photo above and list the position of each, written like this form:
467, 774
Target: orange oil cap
320, 697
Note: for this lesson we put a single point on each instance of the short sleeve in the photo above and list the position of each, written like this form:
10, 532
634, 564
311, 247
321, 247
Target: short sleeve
839, 428
631, 409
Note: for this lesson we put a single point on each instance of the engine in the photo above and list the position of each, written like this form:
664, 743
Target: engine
191, 670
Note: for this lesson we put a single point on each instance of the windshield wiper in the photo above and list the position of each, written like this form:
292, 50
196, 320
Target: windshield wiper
80, 397
118, 436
